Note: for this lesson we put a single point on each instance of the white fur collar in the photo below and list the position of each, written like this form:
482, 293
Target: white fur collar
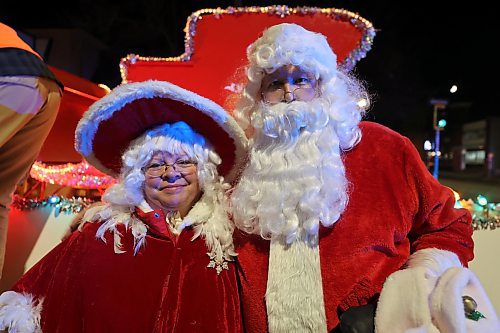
208, 221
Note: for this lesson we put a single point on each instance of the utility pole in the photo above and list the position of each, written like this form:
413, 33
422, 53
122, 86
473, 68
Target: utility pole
439, 125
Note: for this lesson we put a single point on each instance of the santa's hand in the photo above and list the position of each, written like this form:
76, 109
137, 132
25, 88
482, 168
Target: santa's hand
358, 319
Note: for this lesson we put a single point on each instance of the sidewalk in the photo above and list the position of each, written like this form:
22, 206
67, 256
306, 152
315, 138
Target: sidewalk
475, 176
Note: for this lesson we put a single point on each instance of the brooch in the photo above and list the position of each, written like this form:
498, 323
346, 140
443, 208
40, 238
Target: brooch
219, 266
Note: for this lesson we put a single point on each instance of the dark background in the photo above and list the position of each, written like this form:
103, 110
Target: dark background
421, 48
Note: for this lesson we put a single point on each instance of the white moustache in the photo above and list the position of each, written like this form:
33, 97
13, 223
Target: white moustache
286, 121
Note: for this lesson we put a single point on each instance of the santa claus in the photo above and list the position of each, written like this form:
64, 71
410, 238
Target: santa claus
341, 225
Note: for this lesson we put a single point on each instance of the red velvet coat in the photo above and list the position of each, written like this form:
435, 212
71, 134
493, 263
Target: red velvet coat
166, 287
395, 208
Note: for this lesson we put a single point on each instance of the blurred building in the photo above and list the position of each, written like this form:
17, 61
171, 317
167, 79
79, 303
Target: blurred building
481, 147
471, 148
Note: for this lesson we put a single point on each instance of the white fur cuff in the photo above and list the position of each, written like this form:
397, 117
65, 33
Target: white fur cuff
403, 305
434, 259
19, 313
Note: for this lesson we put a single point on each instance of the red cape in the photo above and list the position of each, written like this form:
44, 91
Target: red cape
165, 287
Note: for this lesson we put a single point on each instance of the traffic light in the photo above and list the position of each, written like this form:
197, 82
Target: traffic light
440, 116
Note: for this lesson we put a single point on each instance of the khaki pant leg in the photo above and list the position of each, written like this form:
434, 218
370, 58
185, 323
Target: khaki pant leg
19, 152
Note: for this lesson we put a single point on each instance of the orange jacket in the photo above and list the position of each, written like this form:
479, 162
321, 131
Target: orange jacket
9, 38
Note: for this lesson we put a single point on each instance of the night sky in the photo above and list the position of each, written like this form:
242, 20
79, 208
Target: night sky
420, 49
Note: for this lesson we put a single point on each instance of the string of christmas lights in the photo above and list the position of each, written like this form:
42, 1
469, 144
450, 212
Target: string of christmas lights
81, 175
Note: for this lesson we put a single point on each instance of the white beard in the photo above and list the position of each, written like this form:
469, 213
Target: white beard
295, 178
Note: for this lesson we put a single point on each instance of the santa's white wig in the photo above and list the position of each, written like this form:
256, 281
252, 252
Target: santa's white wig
296, 177
176, 138
291, 44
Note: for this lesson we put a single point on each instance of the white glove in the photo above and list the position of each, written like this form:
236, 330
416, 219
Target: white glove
426, 297
447, 307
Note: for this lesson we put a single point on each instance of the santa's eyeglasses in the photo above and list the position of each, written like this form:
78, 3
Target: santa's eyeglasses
301, 89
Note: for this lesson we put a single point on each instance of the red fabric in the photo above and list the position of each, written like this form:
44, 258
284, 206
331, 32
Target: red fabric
166, 287
395, 208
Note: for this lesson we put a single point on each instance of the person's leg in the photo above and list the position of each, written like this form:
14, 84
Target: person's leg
23, 130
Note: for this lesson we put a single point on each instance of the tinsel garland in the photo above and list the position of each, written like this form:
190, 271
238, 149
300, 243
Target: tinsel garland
61, 204
485, 223
487, 218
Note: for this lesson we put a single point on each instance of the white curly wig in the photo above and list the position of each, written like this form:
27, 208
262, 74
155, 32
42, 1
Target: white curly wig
208, 216
176, 138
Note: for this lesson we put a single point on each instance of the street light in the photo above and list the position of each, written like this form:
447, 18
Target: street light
439, 125
427, 145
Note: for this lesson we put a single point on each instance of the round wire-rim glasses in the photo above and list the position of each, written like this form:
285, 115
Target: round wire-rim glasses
182, 165
304, 90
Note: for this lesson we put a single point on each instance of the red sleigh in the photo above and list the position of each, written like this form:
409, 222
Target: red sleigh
216, 42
